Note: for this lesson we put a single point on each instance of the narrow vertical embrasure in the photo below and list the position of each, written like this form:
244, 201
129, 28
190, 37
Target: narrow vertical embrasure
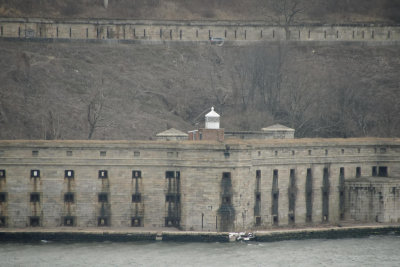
275, 198
325, 195
173, 199
341, 193
226, 211
292, 192
257, 203
309, 195
137, 202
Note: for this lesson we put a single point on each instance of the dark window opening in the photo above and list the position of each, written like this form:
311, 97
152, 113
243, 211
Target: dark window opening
197, 33
87, 33
102, 221
169, 174
136, 222
172, 222
136, 174
291, 218
258, 197
69, 197
35, 197
309, 218
275, 196
34, 221
173, 198
374, 171
35, 173
341, 171
2, 174
160, 33
136, 154
69, 221
342, 216
103, 153
103, 197
144, 32
3, 221
226, 200
382, 150
341, 193
258, 220
326, 152
292, 178
69, 153
276, 153
342, 150
226, 175
275, 180
35, 153
178, 175
103, 174
3, 197
309, 152
383, 171
359, 150
358, 172
276, 219
69, 174
293, 152
258, 173
136, 198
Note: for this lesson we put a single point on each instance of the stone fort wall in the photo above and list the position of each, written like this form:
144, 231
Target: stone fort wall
94, 29
198, 185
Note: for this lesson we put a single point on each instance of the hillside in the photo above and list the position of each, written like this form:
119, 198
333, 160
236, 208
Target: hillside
313, 11
136, 90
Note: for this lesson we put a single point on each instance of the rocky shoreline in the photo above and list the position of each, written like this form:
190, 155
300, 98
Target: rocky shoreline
26, 235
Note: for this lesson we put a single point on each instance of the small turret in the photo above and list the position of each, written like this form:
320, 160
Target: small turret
212, 119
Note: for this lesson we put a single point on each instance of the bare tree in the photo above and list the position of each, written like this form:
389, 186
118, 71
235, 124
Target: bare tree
94, 112
287, 12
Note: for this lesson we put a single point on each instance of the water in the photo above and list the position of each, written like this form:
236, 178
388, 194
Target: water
372, 251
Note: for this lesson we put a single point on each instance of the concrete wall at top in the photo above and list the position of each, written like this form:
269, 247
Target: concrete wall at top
191, 31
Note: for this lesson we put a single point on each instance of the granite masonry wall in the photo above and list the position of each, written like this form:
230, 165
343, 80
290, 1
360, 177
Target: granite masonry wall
96, 29
198, 185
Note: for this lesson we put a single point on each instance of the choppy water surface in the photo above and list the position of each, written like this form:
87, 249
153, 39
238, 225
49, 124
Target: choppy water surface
372, 251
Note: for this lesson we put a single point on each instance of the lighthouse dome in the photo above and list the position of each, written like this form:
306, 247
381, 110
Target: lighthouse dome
212, 119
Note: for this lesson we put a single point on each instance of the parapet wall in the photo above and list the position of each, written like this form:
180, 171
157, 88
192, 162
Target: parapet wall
94, 29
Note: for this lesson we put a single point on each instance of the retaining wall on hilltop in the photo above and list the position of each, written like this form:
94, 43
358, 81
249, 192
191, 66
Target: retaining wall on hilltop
190, 30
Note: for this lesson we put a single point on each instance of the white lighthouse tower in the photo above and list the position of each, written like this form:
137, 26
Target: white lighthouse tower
212, 119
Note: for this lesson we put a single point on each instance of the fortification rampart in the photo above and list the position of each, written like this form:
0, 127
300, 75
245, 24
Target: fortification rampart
96, 29
198, 185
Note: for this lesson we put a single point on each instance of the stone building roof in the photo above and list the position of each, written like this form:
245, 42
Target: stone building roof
172, 132
277, 127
